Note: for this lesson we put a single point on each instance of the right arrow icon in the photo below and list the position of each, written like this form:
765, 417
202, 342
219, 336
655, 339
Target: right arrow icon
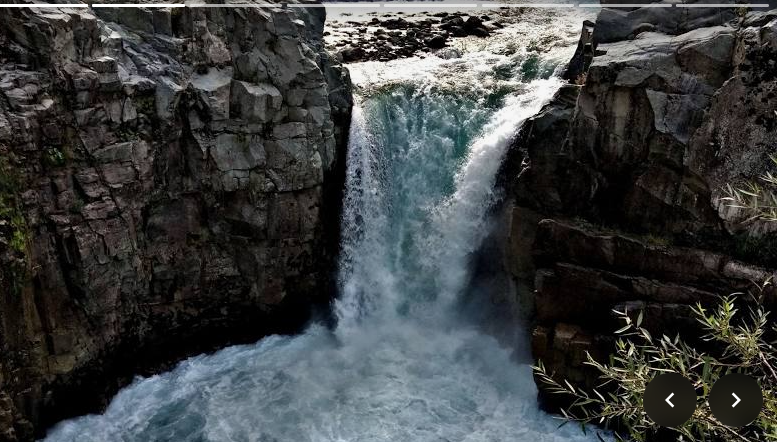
745, 405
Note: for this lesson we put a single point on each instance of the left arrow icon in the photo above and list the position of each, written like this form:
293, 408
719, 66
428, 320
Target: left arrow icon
670, 400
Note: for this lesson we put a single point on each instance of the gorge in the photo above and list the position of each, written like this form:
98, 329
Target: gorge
403, 237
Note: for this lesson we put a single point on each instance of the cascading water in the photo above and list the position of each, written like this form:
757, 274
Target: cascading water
427, 138
422, 164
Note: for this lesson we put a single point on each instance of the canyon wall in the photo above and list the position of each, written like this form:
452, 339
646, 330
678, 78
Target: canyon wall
170, 182
615, 186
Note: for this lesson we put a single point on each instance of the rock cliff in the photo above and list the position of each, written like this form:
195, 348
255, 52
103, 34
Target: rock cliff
169, 182
616, 184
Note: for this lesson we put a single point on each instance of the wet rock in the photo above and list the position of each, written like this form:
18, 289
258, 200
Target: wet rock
473, 22
451, 22
436, 42
352, 54
457, 31
479, 32
396, 23
584, 54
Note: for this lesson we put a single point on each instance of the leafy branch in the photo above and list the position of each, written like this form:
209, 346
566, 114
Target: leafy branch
639, 357
759, 198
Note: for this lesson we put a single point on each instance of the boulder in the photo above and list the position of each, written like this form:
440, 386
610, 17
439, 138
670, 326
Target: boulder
479, 32
451, 22
436, 42
352, 54
473, 22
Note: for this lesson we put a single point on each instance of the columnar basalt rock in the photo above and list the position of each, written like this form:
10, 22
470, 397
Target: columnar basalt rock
170, 182
616, 184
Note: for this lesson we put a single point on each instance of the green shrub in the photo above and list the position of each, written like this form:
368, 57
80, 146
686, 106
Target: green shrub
54, 157
146, 104
639, 357
758, 199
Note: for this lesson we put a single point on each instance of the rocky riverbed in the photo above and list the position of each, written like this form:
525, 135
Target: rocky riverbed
384, 37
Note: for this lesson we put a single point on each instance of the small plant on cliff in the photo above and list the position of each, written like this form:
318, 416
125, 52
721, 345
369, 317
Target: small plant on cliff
10, 213
54, 157
639, 357
13, 229
146, 105
758, 199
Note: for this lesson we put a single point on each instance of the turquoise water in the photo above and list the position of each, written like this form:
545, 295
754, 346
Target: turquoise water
427, 139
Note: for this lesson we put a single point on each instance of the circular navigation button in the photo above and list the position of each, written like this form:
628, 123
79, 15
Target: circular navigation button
735, 400
669, 400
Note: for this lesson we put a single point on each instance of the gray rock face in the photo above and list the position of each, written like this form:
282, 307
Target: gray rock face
642, 100
621, 24
619, 206
170, 183
735, 140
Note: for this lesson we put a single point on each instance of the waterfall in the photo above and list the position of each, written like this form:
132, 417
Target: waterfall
426, 141
420, 180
